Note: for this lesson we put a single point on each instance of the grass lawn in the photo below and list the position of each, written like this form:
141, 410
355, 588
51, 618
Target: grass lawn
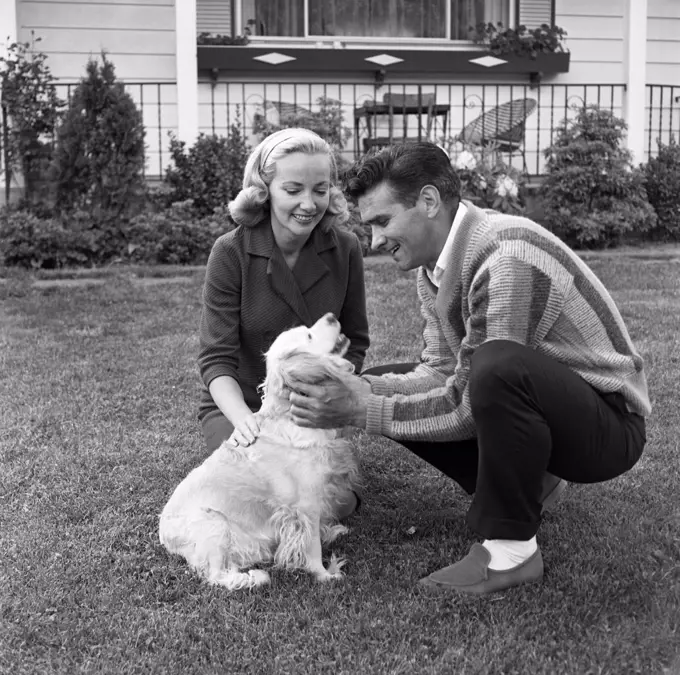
98, 391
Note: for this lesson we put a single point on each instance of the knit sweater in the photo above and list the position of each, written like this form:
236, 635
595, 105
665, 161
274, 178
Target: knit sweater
507, 279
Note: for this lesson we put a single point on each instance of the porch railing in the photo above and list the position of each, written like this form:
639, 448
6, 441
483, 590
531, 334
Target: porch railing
357, 114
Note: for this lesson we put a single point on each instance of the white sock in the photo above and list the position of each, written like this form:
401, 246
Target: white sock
508, 553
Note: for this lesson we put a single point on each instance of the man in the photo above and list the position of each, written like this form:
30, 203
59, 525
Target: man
528, 374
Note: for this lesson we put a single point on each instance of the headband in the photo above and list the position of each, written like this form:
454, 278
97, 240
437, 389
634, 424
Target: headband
286, 137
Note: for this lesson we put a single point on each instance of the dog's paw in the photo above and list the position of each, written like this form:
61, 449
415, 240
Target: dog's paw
334, 569
330, 533
259, 577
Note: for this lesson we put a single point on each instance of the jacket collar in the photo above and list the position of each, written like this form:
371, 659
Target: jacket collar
291, 285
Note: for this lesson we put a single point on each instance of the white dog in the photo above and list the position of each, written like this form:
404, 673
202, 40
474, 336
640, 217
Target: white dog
275, 499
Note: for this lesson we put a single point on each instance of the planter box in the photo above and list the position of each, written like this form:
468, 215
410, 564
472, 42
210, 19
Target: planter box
248, 60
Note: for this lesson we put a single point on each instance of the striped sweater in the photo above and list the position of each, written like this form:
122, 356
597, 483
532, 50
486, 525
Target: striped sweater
507, 279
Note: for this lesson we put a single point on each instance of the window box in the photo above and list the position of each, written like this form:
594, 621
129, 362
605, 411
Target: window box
253, 59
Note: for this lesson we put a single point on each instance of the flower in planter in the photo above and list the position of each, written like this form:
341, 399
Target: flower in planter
506, 187
465, 161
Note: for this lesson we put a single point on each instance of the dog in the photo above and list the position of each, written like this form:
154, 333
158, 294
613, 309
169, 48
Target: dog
273, 500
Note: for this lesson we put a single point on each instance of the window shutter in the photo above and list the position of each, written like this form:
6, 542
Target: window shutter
533, 13
213, 16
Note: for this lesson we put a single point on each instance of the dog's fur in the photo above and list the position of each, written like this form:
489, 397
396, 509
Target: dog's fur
273, 500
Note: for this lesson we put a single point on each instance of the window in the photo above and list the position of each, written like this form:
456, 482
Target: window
441, 19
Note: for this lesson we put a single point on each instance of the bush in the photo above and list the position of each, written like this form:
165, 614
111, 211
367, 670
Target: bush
662, 182
29, 241
33, 109
592, 197
485, 179
99, 160
177, 236
327, 122
210, 174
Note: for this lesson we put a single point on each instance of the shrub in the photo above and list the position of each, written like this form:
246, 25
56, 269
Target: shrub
210, 174
662, 182
327, 122
31, 103
177, 235
99, 160
29, 241
592, 197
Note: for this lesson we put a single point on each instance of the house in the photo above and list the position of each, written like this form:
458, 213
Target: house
391, 68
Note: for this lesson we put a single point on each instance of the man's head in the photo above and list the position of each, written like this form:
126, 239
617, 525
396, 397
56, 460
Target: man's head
408, 194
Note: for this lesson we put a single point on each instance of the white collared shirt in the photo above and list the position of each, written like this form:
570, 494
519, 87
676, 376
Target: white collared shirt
435, 275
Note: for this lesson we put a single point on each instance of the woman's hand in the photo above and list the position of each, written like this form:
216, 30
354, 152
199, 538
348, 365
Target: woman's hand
245, 431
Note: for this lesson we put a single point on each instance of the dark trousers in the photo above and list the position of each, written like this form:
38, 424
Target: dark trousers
532, 415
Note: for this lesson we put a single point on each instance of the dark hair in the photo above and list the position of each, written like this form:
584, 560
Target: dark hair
406, 168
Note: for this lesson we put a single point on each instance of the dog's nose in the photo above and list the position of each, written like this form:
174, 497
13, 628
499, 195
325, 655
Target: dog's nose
330, 318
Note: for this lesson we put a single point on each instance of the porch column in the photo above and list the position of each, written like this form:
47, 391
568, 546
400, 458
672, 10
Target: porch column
187, 70
635, 69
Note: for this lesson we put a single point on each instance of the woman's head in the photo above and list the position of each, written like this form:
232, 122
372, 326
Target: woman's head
291, 174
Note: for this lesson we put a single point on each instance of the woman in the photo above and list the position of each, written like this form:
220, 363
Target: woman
286, 264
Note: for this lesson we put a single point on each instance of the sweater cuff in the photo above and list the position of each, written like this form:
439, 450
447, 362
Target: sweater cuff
380, 386
379, 414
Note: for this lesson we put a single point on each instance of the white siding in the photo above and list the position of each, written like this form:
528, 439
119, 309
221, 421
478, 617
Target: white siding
595, 38
137, 35
663, 42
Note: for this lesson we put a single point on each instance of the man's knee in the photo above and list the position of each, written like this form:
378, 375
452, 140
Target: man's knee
495, 365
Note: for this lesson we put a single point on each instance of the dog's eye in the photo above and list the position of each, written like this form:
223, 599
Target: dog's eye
309, 336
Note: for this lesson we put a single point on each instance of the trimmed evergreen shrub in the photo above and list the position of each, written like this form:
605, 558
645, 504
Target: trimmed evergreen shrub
29, 241
98, 163
592, 197
177, 235
662, 181
210, 173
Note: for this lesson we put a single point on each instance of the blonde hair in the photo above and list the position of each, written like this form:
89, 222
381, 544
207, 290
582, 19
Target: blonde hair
251, 204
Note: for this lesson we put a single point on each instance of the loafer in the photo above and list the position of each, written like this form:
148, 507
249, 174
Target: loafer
553, 489
472, 574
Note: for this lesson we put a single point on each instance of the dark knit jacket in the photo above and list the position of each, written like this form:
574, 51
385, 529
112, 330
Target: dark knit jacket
250, 295
507, 279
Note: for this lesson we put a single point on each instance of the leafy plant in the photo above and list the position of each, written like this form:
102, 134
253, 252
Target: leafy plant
177, 235
99, 160
26, 240
327, 121
520, 41
30, 101
206, 38
486, 179
662, 182
592, 196
210, 173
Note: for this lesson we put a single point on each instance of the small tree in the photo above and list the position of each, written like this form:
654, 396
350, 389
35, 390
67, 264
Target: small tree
662, 182
99, 160
592, 196
30, 102
210, 173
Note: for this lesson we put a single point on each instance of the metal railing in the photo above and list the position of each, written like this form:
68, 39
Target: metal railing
438, 112
357, 116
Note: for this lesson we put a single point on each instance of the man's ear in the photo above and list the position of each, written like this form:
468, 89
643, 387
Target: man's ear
431, 200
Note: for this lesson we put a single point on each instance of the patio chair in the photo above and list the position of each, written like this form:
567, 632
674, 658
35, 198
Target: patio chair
504, 127
419, 105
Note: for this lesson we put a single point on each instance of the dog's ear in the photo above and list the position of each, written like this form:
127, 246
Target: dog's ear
313, 368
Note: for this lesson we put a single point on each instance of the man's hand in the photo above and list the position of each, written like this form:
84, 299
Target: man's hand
332, 404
